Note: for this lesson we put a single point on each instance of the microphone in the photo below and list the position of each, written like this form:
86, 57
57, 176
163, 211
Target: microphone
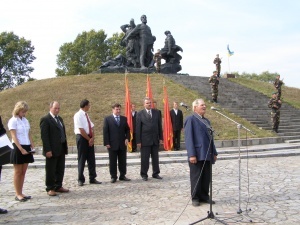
184, 105
213, 108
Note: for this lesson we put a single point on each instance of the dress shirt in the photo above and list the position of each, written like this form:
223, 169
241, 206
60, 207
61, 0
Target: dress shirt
175, 110
80, 121
22, 128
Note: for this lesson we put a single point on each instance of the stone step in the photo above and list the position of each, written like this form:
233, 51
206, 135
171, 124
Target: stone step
261, 151
293, 141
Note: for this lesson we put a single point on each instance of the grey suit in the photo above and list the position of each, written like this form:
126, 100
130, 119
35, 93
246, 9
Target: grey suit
148, 134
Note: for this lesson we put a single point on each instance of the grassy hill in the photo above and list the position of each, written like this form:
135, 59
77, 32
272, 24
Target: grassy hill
102, 90
289, 95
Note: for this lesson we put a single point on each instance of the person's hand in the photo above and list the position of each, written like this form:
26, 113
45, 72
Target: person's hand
91, 142
49, 154
215, 157
107, 146
193, 159
139, 145
24, 152
161, 142
126, 142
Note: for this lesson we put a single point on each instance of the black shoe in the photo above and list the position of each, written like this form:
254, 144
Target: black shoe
145, 178
20, 199
195, 203
3, 211
124, 178
157, 177
208, 201
95, 182
28, 197
80, 183
113, 180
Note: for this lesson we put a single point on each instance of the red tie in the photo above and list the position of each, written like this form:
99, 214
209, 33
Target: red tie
90, 127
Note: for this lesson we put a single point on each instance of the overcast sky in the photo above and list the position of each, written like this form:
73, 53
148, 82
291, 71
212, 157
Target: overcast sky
264, 35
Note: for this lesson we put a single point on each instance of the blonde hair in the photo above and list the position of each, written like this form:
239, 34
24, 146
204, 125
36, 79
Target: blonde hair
20, 106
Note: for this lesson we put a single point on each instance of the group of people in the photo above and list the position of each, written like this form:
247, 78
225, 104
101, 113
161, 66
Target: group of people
148, 137
275, 104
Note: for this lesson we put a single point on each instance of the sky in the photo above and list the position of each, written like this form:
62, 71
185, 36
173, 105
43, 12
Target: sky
264, 35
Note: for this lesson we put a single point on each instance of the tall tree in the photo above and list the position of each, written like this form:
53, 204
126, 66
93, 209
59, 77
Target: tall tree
87, 53
16, 54
113, 45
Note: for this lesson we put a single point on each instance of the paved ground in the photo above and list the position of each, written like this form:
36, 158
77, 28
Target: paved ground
274, 196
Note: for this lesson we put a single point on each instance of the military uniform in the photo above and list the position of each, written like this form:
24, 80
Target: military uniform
275, 105
218, 62
214, 82
277, 84
157, 59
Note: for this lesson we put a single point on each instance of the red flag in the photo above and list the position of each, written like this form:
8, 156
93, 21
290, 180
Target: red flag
149, 91
168, 130
128, 113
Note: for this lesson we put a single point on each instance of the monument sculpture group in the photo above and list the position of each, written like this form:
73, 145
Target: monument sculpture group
139, 41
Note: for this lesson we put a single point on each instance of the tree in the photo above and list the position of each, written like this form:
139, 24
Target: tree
265, 76
87, 53
16, 54
113, 45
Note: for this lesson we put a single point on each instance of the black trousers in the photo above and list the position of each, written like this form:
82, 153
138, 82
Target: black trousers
146, 151
134, 142
176, 139
55, 170
200, 186
116, 156
86, 153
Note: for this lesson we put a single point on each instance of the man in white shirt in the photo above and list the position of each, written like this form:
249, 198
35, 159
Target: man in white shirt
83, 128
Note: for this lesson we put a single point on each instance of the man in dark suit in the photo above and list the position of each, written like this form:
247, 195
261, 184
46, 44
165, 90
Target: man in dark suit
148, 137
177, 125
133, 141
116, 134
3, 158
199, 144
55, 148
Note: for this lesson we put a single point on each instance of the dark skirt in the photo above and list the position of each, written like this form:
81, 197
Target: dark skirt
17, 157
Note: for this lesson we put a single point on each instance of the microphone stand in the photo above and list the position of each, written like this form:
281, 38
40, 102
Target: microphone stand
239, 127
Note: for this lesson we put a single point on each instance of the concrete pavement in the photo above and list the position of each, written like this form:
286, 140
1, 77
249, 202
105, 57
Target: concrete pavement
270, 187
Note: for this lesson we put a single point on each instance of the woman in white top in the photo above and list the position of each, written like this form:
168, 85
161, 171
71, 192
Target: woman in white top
19, 129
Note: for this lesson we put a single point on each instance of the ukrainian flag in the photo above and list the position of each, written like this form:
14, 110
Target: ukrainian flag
230, 53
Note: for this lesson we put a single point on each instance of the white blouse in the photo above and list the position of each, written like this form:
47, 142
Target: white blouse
22, 128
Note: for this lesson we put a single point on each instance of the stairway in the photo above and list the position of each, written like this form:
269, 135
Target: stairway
246, 103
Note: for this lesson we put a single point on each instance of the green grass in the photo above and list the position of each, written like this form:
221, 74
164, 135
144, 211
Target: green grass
289, 95
102, 90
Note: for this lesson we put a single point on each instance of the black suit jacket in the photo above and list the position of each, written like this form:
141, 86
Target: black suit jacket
177, 120
51, 136
2, 129
115, 135
148, 130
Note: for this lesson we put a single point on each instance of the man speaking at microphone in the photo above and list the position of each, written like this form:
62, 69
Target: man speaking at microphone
199, 144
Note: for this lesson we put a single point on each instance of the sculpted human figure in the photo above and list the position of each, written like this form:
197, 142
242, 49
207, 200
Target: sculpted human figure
143, 33
169, 51
132, 45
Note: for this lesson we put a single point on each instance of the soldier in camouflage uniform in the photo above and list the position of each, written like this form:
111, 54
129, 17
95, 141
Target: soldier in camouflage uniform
275, 105
218, 62
277, 84
157, 60
214, 82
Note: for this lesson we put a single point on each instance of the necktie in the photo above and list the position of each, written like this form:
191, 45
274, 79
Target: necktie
62, 132
90, 127
118, 120
149, 113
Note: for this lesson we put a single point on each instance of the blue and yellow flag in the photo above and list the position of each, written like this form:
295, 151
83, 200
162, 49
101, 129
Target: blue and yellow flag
230, 53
